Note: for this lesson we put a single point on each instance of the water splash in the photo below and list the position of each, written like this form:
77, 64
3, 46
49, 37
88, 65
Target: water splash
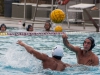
19, 59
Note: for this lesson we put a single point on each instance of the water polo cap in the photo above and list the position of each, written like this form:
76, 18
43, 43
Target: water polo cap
57, 51
92, 42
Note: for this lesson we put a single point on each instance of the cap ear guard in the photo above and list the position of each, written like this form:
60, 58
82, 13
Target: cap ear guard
53, 50
92, 41
92, 46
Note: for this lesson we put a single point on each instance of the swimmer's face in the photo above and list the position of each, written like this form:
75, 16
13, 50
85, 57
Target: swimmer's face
47, 26
31, 28
87, 44
3, 28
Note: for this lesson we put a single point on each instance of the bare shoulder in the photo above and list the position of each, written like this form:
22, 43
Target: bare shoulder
77, 49
95, 59
45, 57
94, 56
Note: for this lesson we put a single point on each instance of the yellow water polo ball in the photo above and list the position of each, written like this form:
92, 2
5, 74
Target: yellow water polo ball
57, 16
58, 28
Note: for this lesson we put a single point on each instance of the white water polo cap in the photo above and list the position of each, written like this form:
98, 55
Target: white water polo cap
58, 51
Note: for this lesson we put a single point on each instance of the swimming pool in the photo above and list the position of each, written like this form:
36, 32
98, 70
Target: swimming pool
14, 59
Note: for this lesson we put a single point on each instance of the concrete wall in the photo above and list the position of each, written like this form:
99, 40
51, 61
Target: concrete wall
18, 10
40, 1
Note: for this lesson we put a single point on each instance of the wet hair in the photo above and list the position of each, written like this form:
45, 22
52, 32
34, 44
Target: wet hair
57, 57
4, 26
28, 27
92, 43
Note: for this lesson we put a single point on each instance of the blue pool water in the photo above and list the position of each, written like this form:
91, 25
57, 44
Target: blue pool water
15, 60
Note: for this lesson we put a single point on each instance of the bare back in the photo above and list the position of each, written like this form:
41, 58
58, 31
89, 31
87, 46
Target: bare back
53, 64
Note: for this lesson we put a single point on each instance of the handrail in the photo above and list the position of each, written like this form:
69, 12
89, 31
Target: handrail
92, 20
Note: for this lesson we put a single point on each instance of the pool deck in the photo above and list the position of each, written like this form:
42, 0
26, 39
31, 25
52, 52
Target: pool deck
11, 22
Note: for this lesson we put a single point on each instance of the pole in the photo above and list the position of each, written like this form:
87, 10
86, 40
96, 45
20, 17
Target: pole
24, 10
92, 20
35, 11
67, 18
52, 6
95, 2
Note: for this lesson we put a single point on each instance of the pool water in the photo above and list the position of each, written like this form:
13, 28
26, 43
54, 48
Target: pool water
15, 60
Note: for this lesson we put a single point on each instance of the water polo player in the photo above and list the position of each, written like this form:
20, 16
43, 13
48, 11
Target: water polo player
53, 63
84, 56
